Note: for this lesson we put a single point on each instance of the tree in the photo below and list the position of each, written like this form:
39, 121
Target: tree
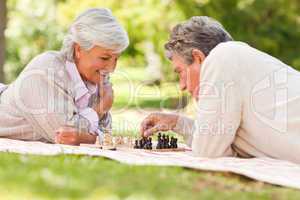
2, 37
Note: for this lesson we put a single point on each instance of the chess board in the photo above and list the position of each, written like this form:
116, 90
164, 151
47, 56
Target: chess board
125, 147
115, 143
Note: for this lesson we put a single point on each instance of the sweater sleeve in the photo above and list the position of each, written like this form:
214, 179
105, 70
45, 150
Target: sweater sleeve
46, 105
185, 127
219, 108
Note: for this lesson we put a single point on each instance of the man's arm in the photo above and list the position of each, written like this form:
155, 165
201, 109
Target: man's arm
219, 108
185, 127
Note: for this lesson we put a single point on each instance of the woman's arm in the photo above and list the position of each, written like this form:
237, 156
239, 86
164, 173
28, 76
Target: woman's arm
47, 106
70, 136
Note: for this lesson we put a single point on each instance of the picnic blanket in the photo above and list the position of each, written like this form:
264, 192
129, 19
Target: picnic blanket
268, 170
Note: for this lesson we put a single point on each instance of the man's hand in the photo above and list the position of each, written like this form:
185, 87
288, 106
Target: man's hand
156, 122
106, 98
70, 136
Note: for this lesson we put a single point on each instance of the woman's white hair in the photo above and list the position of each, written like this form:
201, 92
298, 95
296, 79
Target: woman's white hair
95, 26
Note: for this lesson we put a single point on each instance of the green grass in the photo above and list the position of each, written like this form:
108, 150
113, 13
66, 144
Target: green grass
83, 177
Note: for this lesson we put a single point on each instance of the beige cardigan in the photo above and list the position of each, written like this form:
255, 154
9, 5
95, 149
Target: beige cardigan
249, 105
40, 101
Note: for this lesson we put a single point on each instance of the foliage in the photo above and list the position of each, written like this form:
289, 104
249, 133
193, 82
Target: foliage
272, 26
32, 29
37, 26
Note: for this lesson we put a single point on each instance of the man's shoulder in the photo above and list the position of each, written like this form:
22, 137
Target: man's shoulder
225, 53
224, 59
229, 48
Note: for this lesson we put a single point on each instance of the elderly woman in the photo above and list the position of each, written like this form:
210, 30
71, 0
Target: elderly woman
248, 101
65, 96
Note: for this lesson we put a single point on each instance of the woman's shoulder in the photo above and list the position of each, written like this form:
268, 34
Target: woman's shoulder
48, 66
46, 60
50, 63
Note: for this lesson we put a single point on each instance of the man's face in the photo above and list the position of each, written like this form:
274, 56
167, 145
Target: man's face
189, 75
95, 63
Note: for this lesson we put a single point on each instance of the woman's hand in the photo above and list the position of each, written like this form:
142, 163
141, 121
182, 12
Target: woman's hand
156, 122
67, 138
70, 136
105, 100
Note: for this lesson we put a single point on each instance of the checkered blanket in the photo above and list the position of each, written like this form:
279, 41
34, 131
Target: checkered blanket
268, 170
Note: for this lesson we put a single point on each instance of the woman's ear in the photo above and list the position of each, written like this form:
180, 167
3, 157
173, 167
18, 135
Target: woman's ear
198, 56
77, 51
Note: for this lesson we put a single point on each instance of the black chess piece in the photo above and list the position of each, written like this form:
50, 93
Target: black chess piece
168, 142
164, 144
159, 141
150, 143
175, 143
158, 145
146, 141
136, 145
172, 142
159, 136
141, 144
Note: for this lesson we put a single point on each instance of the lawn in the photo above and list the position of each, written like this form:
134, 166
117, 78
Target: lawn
84, 177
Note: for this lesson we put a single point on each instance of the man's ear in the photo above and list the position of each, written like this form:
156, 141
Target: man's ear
198, 56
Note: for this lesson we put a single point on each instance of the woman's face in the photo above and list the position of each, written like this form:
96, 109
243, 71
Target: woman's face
95, 63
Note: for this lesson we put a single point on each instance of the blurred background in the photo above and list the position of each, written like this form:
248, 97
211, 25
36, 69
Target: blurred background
144, 80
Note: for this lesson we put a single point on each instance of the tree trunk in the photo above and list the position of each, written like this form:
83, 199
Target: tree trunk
3, 19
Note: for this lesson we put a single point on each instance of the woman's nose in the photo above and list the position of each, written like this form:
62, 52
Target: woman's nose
182, 85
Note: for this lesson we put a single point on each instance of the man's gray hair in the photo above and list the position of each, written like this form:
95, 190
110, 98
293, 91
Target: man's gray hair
199, 32
93, 27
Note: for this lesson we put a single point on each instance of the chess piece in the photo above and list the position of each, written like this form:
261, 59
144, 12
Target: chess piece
107, 140
146, 145
159, 142
172, 142
163, 141
159, 135
145, 141
127, 142
149, 143
175, 143
119, 140
141, 144
136, 145
167, 142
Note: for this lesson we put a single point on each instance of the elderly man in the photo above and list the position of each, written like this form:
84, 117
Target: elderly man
248, 101
65, 96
